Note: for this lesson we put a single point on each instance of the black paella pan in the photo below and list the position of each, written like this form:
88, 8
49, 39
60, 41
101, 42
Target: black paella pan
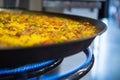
12, 57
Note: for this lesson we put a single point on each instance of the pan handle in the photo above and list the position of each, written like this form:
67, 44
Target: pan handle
76, 73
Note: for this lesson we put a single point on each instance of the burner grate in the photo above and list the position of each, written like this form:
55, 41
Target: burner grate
77, 73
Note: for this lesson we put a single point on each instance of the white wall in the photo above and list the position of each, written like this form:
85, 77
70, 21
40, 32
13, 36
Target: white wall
35, 5
83, 12
1, 3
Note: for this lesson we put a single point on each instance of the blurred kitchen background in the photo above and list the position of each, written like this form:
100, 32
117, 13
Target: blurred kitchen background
106, 48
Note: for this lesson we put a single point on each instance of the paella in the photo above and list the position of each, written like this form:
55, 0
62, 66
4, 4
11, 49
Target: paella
21, 30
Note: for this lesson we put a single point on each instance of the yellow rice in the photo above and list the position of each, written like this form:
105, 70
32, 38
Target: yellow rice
30, 29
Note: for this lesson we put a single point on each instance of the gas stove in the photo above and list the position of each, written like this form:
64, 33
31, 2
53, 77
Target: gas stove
52, 69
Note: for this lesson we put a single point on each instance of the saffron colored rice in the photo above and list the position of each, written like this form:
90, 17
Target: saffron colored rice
22, 30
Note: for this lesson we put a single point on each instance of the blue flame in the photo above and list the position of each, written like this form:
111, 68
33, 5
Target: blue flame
25, 68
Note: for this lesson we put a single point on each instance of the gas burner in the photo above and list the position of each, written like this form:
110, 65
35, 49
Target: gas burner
39, 69
29, 70
75, 73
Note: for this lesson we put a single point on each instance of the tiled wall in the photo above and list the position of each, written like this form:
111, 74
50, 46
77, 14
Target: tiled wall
29, 4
